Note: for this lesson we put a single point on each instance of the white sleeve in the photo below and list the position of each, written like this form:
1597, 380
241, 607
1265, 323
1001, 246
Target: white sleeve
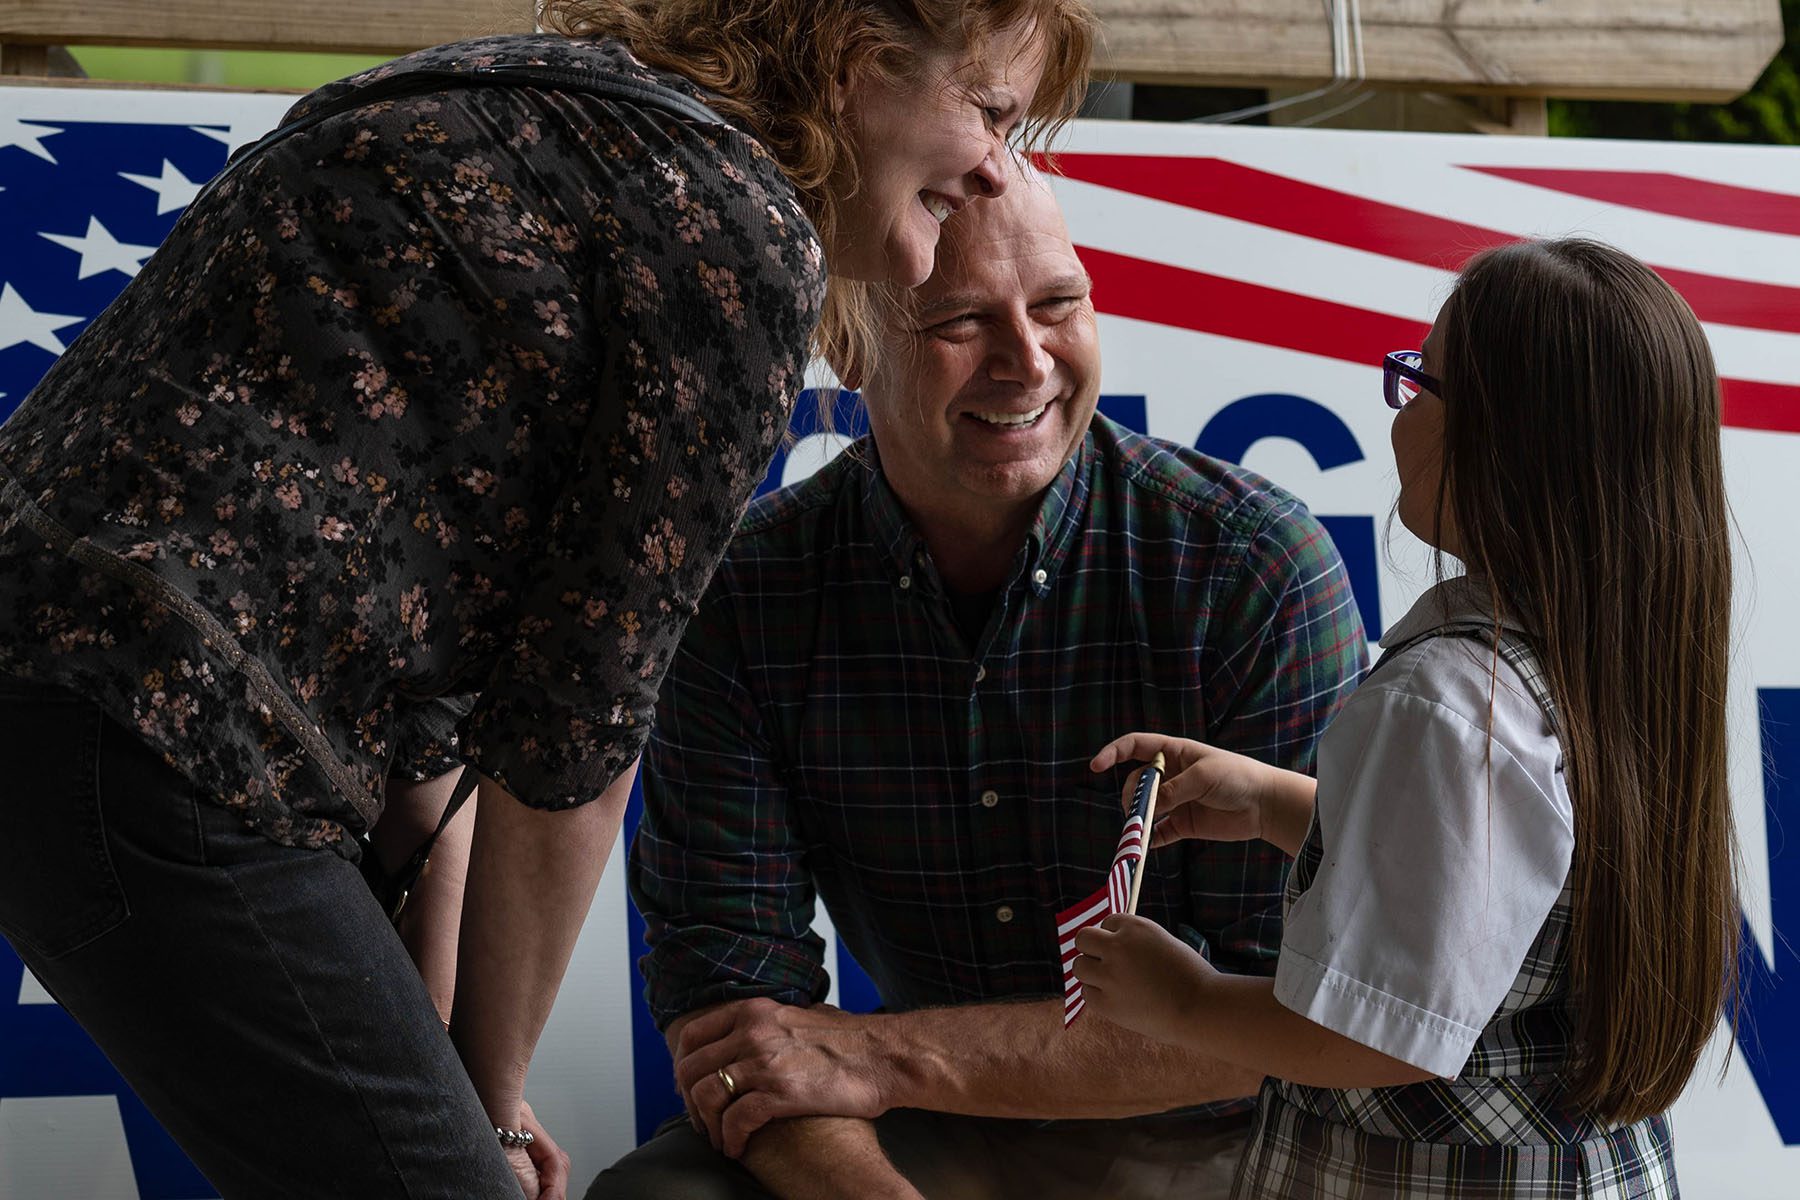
1434, 884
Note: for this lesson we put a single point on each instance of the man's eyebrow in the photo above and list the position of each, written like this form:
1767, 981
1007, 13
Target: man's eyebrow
1078, 283
1075, 284
949, 303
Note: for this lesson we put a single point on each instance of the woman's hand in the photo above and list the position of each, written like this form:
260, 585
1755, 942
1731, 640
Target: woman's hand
549, 1165
1137, 975
519, 1159
1206, 793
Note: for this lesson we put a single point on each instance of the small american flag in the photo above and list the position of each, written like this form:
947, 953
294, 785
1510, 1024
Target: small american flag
1120, 893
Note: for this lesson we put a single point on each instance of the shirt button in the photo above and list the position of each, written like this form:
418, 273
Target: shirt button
1004, 913
990, 798
1040, 576
905, 582
980, 674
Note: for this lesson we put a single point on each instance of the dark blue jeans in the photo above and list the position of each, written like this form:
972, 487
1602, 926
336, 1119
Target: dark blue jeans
254, 995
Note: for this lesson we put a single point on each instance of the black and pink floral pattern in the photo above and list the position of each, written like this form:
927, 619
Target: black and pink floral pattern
458, 395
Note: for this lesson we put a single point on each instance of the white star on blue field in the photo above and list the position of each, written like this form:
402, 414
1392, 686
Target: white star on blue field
83, 205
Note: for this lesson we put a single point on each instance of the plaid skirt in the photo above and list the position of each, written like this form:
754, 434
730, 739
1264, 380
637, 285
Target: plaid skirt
1294, 1153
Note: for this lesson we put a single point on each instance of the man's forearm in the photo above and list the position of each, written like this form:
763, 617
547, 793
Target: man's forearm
1016, 1060
824, 1158
804, 1158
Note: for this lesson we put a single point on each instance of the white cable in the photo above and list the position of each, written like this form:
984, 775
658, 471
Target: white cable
1344, 18
1357, 101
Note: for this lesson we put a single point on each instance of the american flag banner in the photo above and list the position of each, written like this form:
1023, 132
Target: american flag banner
1247, 283
90, 184
1120, 892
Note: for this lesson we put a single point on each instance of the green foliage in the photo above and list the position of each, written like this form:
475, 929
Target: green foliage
235, 68
1768, 112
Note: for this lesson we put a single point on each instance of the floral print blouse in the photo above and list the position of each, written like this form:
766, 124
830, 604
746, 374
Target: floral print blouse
417, 442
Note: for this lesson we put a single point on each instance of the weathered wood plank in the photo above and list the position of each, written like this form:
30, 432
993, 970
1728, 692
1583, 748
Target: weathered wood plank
339, 26
24, 60
1619, 49
1680, 49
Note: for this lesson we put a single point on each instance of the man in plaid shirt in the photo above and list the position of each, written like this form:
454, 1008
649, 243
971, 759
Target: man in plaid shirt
888, 699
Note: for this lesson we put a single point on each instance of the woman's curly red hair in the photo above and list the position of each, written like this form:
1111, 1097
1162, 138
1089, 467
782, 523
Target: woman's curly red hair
772, 64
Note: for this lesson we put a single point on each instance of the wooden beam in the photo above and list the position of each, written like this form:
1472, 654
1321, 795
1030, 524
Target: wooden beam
335, 26
1619, 49
24, 60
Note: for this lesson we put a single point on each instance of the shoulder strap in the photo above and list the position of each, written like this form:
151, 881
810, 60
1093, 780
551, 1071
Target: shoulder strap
607, 84
1515, 650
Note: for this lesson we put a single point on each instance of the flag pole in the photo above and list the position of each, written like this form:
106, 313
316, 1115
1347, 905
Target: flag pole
1153, 778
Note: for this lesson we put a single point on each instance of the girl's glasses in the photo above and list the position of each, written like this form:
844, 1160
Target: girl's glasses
1402, 380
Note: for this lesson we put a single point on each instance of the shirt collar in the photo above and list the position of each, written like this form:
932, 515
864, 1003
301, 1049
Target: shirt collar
1454, 601
888, 524
1059, 516
1047, 543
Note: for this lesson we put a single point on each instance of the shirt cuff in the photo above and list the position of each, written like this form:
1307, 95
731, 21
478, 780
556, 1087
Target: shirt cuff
698, 968
1374, 1018
549, 757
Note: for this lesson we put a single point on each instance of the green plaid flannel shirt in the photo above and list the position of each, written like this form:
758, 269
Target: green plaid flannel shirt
825, 731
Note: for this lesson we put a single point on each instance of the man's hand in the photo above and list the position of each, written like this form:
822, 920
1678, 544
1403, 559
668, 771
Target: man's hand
1136, 974
784, 1061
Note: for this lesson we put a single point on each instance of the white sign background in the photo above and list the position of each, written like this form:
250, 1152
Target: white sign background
583, 1081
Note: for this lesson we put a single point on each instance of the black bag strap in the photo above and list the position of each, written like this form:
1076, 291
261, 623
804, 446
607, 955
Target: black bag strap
407, 877
609, 85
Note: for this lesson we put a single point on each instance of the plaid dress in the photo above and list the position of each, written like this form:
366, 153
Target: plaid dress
1503, 1128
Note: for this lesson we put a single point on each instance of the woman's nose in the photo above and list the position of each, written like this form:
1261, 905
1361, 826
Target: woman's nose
990, 175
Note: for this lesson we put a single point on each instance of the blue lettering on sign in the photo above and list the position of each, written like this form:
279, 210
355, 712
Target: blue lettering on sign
1241, 424
847, 418
1130, 411
1768, 1033
43, 1052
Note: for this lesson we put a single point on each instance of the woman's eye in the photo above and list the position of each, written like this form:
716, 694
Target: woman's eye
992, 116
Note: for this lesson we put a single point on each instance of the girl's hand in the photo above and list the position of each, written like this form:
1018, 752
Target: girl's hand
1210, 794
1136, 974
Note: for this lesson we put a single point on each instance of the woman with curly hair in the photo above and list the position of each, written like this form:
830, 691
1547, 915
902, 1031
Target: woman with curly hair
412, 450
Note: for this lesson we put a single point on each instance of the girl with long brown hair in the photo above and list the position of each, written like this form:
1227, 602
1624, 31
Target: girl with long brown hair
1511, 927
396, 474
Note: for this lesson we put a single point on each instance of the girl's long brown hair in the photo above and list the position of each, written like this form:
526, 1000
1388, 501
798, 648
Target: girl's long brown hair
772, 64
1582, 467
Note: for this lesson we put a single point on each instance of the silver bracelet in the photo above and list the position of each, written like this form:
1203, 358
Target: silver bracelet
511, 1139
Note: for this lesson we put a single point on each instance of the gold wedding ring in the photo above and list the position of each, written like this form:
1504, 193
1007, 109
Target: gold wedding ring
730, 1084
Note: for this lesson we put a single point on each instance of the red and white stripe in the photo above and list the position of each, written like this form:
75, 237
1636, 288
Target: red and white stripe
1115, 897
1315, 245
